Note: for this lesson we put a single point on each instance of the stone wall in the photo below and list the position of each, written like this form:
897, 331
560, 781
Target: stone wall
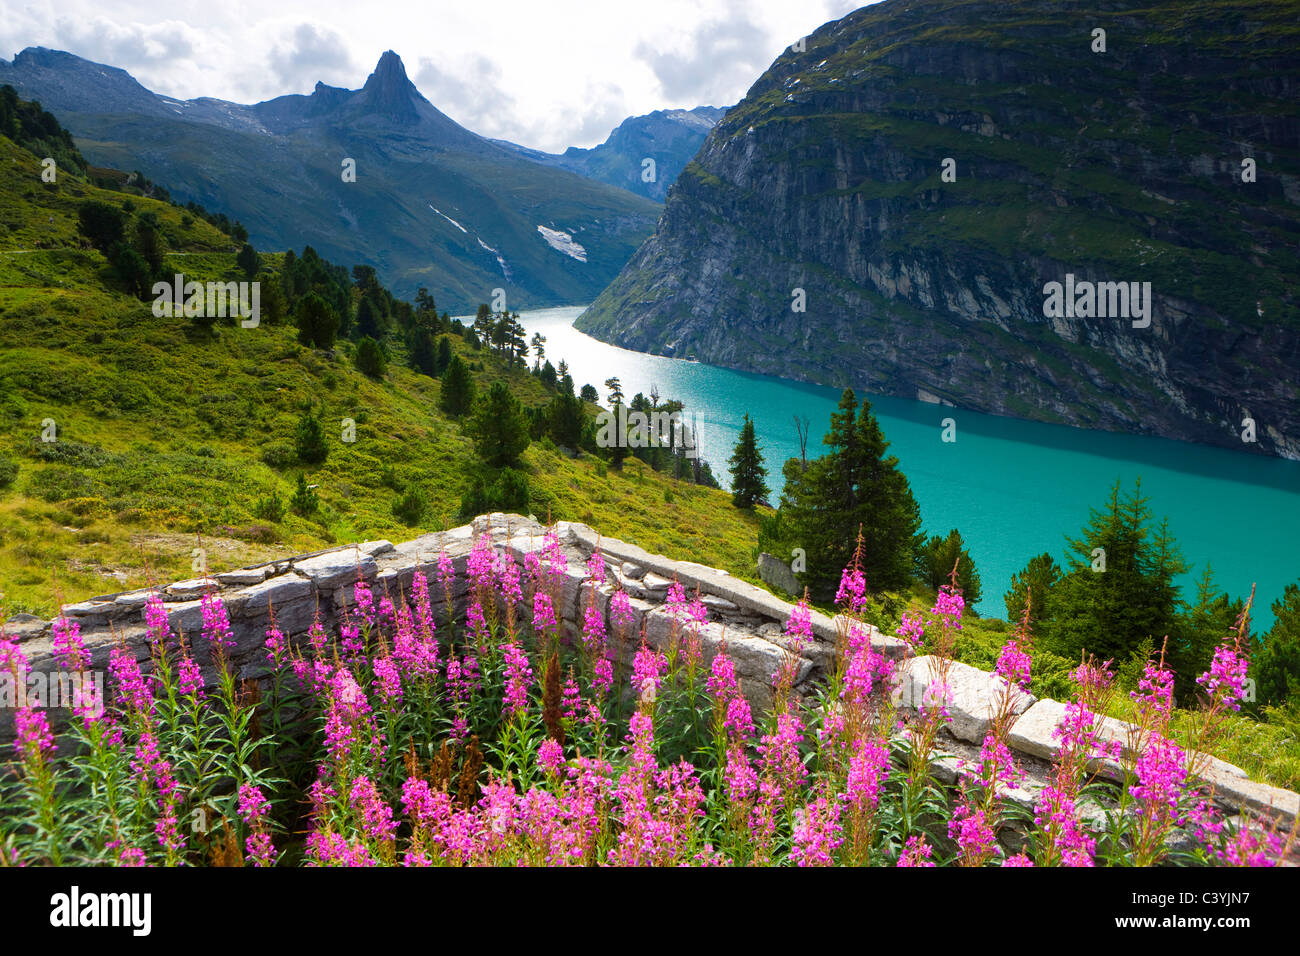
749, 619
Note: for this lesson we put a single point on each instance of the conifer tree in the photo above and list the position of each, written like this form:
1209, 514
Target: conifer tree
937, 558
499, 427
747, 470
457, 395
854, 483
1276, 666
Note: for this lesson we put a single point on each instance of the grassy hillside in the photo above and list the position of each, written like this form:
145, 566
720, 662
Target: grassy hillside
169, 436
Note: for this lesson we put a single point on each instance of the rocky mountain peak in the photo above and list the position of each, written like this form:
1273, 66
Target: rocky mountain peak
389, 91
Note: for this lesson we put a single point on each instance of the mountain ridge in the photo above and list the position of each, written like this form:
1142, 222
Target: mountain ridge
432, 204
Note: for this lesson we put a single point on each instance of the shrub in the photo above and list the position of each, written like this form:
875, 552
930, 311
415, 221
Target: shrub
8, 470
279, 455
412, 506
370, 359
304, 501
309, 441
270, 508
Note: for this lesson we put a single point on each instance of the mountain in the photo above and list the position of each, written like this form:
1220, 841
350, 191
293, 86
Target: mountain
670, 137
1123, 166
432, 204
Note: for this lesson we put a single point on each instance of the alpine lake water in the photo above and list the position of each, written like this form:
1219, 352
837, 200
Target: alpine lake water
1014, 488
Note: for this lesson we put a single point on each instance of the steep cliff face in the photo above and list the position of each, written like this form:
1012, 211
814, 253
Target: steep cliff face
1117, 166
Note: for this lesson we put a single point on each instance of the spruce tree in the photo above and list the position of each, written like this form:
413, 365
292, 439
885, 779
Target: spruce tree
499, 427
937, 558
854, 483
747, 470
309, 440
457, 396
1118, 589
1198, 632
1033, 583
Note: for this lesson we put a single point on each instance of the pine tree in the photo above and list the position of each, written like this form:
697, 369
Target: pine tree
248, 260
444, 354
457, 396
499, 427
1198, 632
747, 470
370, 359
1111, 612
309, 441
936, 560
318, 323
424, 356
1034, 583
854, 483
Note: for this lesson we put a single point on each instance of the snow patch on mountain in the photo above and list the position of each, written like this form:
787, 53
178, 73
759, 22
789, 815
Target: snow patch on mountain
505, 269
450, 220
563, 242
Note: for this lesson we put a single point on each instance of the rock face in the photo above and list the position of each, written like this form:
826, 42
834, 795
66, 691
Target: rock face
817, 235
777, 573
747, 620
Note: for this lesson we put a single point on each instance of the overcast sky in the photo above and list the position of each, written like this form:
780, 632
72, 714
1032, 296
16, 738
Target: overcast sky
543, 73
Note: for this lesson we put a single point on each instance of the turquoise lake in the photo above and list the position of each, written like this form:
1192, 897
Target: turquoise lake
1014, 488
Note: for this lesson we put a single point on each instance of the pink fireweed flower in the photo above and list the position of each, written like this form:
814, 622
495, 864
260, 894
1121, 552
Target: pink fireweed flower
253, 810
363, 605
572, 699
1155, 693
331, 849
1018, 860
740, 776
157, 625
916, 852
1250, 846
852, 593
423, 604
557, 563
1161, 776
376, 815
69, 651
388, 681
216, 626
971, 832
544, 619
133, 690
817, 833
12, 660
351, 642
868, 773
446, 569
348, 723
739, 722
550, 758
602, 678
1225, 681
620, 609
935, 700
948, 606
912, 630
676, 602
995, 766
1015, 665
189, 677
779, 753
480, 564
648, 667
276, 645
33, 740
722, 682
1054, 814
593, 631
596, 567
799, 627
519, 676
416, 652
477, 623
507, 575
859, 677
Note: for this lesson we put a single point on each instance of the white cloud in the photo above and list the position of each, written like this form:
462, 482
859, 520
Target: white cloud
547, 75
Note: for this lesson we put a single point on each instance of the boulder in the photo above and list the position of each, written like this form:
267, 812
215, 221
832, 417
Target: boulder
974, 695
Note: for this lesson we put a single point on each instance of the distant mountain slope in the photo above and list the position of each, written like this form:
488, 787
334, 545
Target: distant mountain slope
670, 137
1122, 166
432, 205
